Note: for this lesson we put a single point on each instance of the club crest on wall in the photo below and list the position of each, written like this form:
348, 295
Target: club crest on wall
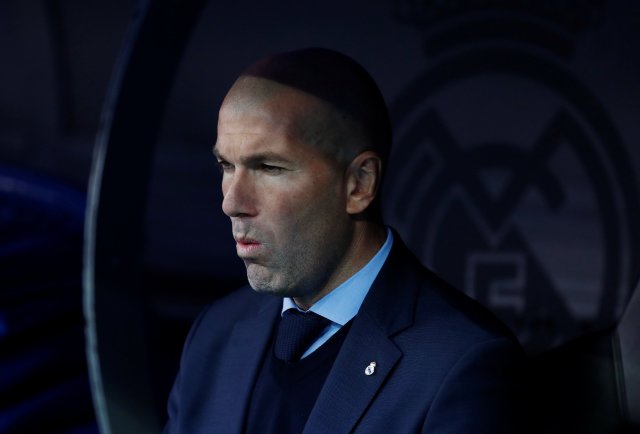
508, 176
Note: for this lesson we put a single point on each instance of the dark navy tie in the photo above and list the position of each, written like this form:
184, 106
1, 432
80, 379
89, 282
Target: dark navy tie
296, 332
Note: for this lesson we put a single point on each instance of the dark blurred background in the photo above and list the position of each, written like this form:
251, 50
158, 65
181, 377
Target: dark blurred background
515, 172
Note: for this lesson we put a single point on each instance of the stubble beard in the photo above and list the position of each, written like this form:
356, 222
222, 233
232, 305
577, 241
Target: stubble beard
299, 273
282, 277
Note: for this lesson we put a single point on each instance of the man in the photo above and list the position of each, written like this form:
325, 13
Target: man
303, 139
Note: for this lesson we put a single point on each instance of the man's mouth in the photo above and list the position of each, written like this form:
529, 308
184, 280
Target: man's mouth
247, 246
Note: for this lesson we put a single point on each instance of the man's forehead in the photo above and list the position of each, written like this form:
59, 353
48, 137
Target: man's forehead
248, 127
258, 105
259, 94
254, 89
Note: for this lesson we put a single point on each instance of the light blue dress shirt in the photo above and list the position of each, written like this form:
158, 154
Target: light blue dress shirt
342, 304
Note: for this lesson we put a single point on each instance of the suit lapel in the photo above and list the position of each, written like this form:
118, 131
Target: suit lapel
387, 310
348, 390
240, 365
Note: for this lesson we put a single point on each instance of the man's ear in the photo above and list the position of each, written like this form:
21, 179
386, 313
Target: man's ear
363, 181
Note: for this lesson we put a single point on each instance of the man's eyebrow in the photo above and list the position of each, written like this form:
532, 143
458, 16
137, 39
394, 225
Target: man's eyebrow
256, 158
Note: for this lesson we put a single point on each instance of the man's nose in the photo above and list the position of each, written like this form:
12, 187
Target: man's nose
238, 195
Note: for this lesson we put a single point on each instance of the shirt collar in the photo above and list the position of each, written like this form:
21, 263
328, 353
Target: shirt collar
343, 303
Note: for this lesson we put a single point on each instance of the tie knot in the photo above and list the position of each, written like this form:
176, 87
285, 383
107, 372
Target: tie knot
296, 332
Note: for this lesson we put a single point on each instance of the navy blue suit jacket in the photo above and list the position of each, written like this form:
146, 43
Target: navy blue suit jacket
443, 363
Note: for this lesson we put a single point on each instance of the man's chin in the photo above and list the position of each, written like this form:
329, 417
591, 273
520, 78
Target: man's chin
270, 290
262, 281
271, 287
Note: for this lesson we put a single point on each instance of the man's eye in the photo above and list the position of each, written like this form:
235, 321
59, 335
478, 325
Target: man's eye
271, 169
225, 166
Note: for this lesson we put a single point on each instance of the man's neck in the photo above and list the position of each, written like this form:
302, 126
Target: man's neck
368, 239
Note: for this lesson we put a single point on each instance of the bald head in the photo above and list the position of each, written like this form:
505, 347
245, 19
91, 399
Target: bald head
345, 112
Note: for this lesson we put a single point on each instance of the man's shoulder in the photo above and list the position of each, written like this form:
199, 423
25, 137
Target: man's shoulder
440, 306
450, 329
213, 328
460, 317
239, 303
